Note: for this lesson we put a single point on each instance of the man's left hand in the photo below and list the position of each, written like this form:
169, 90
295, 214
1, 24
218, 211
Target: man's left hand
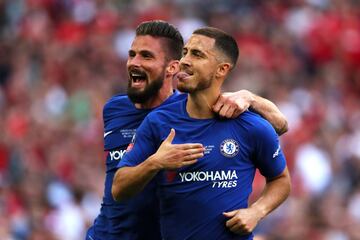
242, 221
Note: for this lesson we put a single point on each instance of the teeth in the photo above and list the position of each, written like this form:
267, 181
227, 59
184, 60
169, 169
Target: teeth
136, 75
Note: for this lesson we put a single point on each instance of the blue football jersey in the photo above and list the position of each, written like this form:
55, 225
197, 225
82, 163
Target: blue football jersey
193, 198
136, 218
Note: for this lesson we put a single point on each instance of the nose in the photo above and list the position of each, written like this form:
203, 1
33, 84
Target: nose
185, 62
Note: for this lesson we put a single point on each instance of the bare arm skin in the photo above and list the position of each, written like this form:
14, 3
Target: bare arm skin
129, 181
231, 105
244, 221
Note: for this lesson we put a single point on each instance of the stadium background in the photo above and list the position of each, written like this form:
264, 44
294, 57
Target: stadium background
61, 59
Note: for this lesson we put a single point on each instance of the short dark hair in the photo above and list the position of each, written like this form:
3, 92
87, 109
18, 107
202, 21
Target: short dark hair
223, 41
159, 28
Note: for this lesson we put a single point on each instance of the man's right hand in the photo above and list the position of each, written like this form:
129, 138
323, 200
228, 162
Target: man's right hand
172, 156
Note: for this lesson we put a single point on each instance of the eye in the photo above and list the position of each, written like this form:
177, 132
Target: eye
131, 54
146, 55
184, 52
196, 53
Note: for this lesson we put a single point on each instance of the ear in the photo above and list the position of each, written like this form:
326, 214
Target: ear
223, 69
172, 67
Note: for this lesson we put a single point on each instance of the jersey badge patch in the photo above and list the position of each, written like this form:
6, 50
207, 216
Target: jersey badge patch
229, 148
131, 144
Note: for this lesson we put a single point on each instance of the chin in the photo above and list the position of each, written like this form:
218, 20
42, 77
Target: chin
182, 88
137, 90
185, 89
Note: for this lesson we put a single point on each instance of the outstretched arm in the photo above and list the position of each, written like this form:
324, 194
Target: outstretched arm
129, 181
244, 221
231, 105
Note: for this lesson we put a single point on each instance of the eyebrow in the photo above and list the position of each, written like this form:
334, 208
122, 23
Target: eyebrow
195, 50
143, 52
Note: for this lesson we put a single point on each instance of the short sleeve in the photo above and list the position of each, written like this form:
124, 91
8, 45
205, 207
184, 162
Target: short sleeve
268, 156
144, 144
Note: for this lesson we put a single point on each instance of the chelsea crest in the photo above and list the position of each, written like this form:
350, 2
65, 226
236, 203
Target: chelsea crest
229, 148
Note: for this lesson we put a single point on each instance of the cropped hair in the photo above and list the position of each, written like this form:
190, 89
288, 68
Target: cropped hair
223, 41
171, 35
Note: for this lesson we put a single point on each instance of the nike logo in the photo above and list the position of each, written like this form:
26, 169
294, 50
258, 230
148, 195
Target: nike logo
107, 133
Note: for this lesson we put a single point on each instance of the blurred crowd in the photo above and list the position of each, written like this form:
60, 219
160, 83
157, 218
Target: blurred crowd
60, 60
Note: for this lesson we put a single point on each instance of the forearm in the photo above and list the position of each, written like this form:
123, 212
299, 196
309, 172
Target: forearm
128, 181
270, 112
274, 193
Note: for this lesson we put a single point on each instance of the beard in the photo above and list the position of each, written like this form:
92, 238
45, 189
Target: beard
202, 85
150, 90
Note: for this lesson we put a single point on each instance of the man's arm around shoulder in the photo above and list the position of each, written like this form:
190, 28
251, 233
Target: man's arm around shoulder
232, 104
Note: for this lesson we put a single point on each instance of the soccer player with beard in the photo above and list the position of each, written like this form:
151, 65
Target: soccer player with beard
204, 187
152, 63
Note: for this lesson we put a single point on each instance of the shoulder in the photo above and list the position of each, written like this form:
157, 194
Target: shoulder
173, 99
177, 96
164, 115
118, 103
168, 110
254, 123
119, 108
117, 100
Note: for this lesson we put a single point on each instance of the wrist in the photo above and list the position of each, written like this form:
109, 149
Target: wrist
252, 99
259, 210
153, 164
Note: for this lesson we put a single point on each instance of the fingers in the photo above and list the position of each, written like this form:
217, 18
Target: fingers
189, 146
230, 214
232, 221
171, 136
240, 230
228, 109
189, 162
186, 160
191, 151
237, 224
231, 105
237, 113
193, 156
219, 103
173, 156
190, 159
223, 110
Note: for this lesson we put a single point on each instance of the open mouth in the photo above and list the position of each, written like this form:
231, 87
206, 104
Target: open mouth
138, 78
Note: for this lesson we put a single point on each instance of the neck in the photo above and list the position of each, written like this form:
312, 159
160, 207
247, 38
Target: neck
164, 93
199, 104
